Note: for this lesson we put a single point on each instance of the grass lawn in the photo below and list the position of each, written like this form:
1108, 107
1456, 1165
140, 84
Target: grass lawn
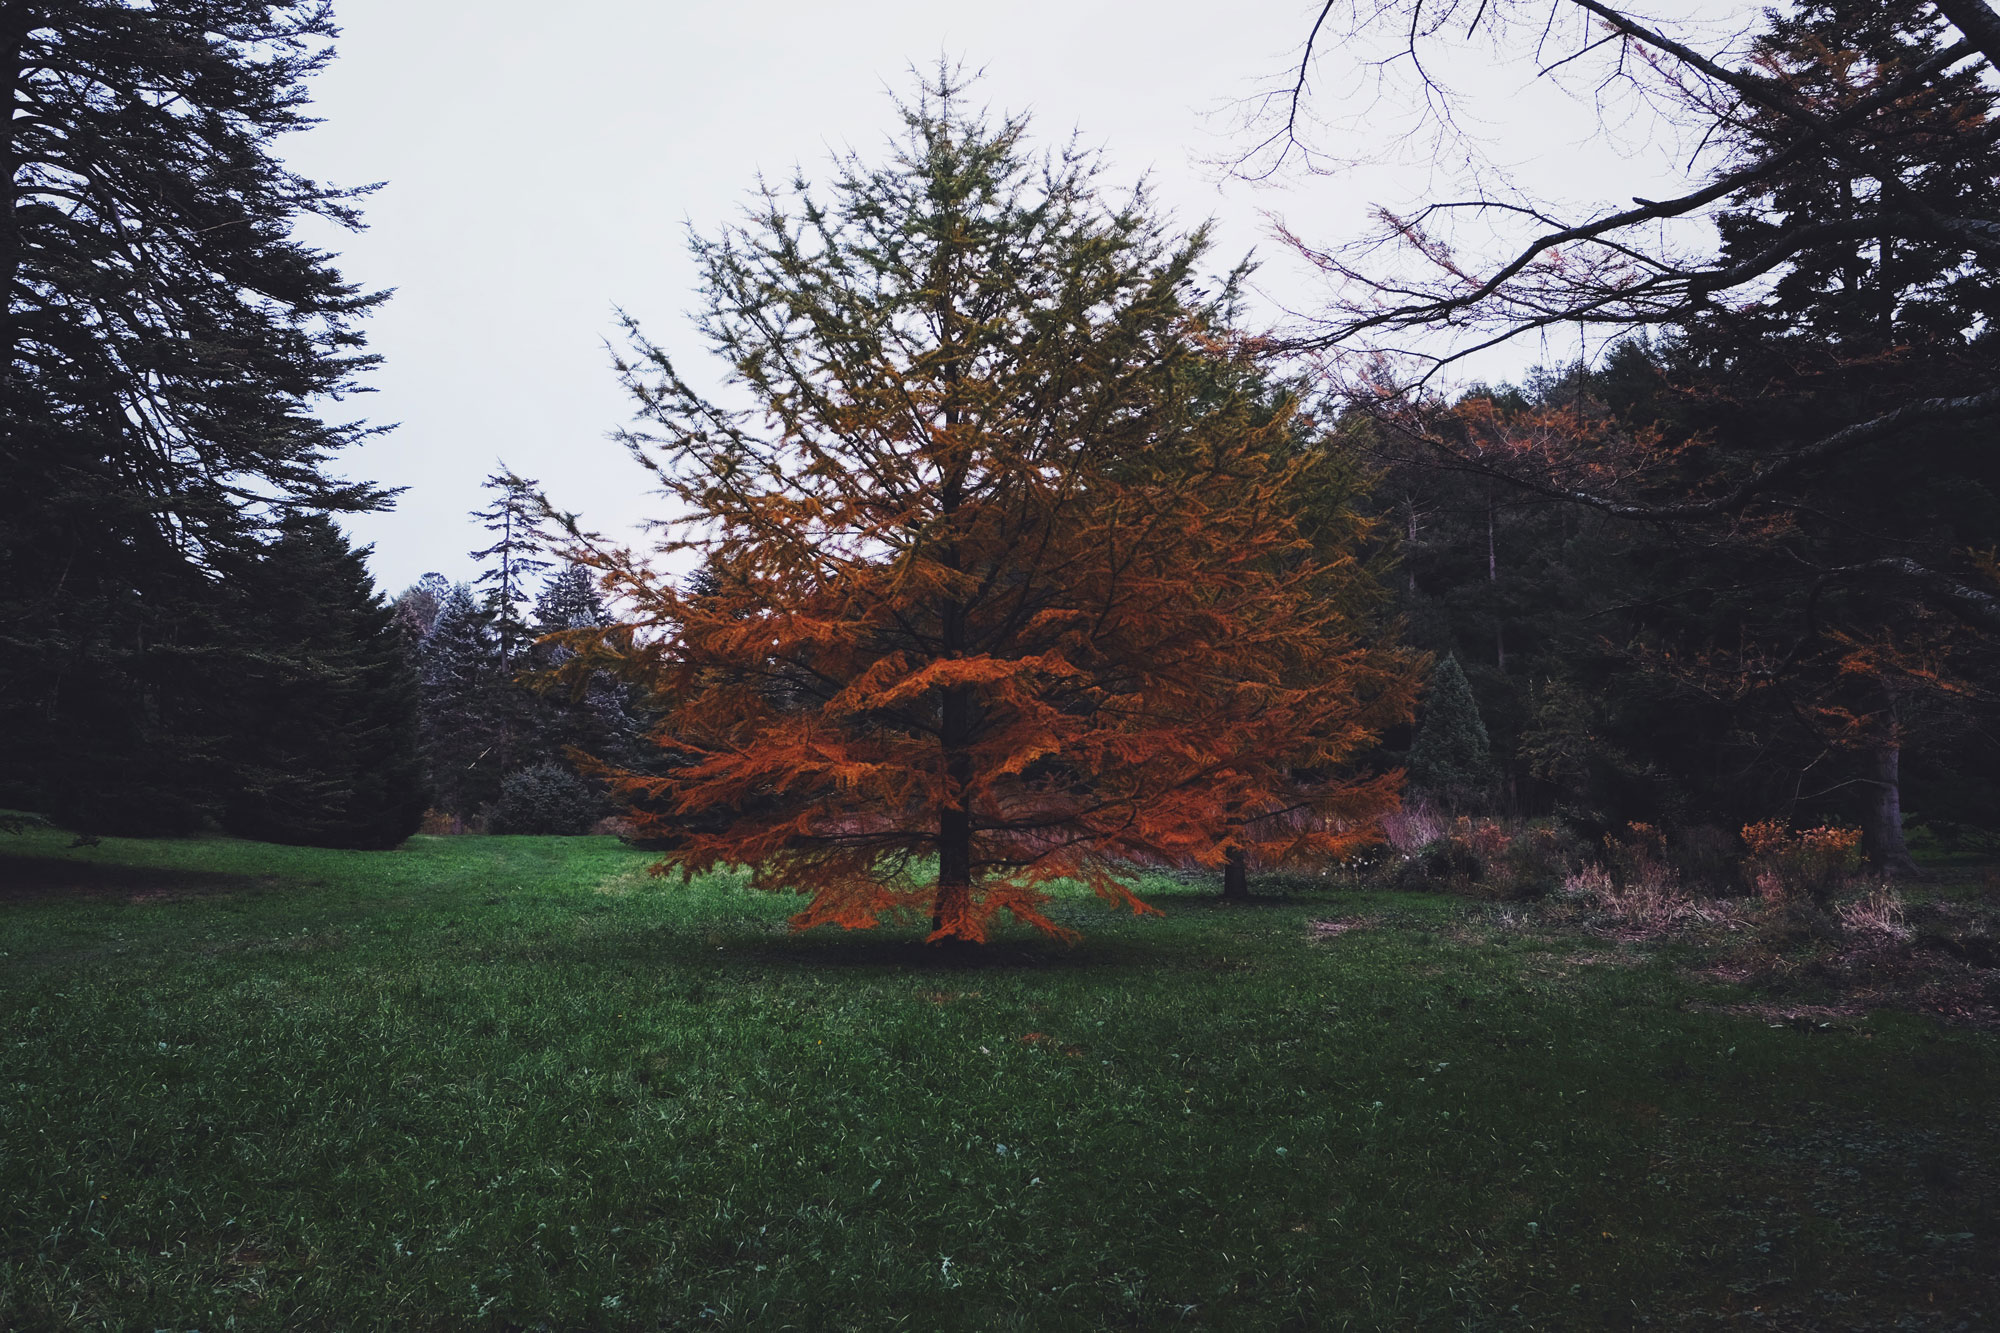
512, 1083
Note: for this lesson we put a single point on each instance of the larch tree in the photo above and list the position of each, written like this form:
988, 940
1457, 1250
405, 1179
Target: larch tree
1012, 570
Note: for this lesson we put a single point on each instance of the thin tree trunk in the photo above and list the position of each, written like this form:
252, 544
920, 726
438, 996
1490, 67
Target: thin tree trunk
1411, 506
15, 20
1236, 875
1493, 577
954, 886
957, 708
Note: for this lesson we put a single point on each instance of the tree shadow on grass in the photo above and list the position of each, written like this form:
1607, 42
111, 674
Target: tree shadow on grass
885, 950
46, 879
869, 950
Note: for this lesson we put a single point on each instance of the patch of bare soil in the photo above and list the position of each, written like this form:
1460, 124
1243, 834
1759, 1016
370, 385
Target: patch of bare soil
32, 879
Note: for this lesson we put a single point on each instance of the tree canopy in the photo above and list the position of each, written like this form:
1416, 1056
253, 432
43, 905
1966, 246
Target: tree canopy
1010, 557
324, 705
1795, 420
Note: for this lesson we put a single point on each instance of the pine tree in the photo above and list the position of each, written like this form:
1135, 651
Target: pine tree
1009, 568
569, 599
1450, 758
591, 714
461, 674
165, 345
325, 752
416, 608
512, 560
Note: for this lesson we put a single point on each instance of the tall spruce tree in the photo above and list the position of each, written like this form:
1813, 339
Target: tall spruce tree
325, 751
513, 559
165, 345
1450, 758
594, 714
569, 599
461, 675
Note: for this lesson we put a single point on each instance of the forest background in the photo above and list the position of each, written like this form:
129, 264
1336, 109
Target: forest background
1733, 566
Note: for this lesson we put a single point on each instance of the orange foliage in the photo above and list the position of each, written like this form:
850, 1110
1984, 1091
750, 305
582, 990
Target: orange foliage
1812, 862
1144, 667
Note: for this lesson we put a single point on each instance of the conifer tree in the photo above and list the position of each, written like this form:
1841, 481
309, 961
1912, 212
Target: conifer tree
416, 608
591, 714
511, 561
165, 346
1450, 758
569, 599
461, 673
325, 748
1009, 580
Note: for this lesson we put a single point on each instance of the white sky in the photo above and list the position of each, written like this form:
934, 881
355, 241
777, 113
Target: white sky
541, 161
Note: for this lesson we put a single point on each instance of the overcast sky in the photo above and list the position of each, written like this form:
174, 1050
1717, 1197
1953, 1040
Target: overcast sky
542, 163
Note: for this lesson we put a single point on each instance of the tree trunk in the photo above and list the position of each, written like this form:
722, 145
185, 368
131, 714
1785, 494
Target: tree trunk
1493, 577
1883, 821
1411, 505
1236, 875
954, 882
15, 19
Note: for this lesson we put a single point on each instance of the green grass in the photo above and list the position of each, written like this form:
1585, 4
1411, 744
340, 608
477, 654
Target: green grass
511, 1083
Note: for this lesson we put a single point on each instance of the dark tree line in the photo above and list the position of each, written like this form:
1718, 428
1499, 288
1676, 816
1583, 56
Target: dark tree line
1742, 564
170, 590
498, 740
186, 640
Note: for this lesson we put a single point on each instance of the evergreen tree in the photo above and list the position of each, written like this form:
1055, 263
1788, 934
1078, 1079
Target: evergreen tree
1872, 316
325, 751
512, 560
416, 608
461, 674
1821, 476
1450, 758
570, 600
546, 798
164, 346
591, 714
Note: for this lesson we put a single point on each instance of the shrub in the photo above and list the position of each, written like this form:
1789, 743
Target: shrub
545, 798
1705, 855
1414, 827
1878, 912
1638, 882
1590, 883
442, 823
1482, 857
1540, 857
1812, 864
